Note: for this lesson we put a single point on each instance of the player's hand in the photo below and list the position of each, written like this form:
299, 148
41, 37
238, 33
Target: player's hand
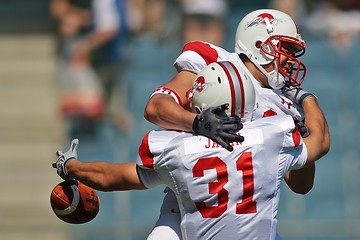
64, 158
216, 125
297, 94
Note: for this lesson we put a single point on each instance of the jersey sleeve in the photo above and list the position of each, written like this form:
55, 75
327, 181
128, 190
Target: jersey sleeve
151, 163
148, 151
152, 148
149, 177
195, 56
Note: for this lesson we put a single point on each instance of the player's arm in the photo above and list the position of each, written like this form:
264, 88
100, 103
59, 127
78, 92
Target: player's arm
105, 176
318, 142
301, 181
164, 111
102, 176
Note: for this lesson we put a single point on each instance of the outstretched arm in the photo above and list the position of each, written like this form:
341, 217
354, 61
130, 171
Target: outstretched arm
101, 176
105, 176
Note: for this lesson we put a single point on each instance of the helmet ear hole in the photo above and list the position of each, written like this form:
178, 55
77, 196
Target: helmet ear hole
258, 44
219, 80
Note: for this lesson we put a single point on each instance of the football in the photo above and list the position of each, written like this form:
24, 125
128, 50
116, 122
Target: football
74, 202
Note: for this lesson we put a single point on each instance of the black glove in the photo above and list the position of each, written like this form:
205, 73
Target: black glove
64, 158
296, 94
304, 131
216, 125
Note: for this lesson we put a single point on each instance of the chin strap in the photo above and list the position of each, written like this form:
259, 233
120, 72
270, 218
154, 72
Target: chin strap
276, 80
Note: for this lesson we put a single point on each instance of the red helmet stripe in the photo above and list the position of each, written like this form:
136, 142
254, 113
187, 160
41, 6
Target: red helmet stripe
242, 89
232, 89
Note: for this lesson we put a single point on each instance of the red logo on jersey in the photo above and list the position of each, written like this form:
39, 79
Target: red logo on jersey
286, 103
199, 84
269, 113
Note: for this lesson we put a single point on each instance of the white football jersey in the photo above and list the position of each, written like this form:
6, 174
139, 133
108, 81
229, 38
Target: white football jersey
196, 55
222, 194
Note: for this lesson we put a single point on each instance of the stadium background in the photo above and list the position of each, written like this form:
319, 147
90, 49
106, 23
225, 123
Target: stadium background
31, 131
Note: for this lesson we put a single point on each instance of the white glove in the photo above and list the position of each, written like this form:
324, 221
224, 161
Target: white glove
64, 158
297, 94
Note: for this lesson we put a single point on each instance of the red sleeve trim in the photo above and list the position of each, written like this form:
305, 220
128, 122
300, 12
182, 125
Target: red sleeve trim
147, 158
165, 90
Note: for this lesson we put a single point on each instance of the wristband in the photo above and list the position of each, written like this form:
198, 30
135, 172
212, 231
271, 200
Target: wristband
168, 91
304, 96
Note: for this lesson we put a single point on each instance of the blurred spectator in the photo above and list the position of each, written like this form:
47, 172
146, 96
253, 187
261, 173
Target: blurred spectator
337, 19
149, 18
204, 20
295, 8
90, 34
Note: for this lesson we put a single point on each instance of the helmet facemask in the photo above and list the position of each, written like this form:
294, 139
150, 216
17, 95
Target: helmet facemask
295, 72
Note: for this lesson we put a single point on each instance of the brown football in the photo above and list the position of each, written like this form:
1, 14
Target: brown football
74, 202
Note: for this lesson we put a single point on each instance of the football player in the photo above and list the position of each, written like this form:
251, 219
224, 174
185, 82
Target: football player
267, 50
221, 194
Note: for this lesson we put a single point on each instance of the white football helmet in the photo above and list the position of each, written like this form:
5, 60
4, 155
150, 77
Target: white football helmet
260, 36
220, 83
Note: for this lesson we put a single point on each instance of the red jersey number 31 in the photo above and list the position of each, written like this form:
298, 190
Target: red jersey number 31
244, 164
